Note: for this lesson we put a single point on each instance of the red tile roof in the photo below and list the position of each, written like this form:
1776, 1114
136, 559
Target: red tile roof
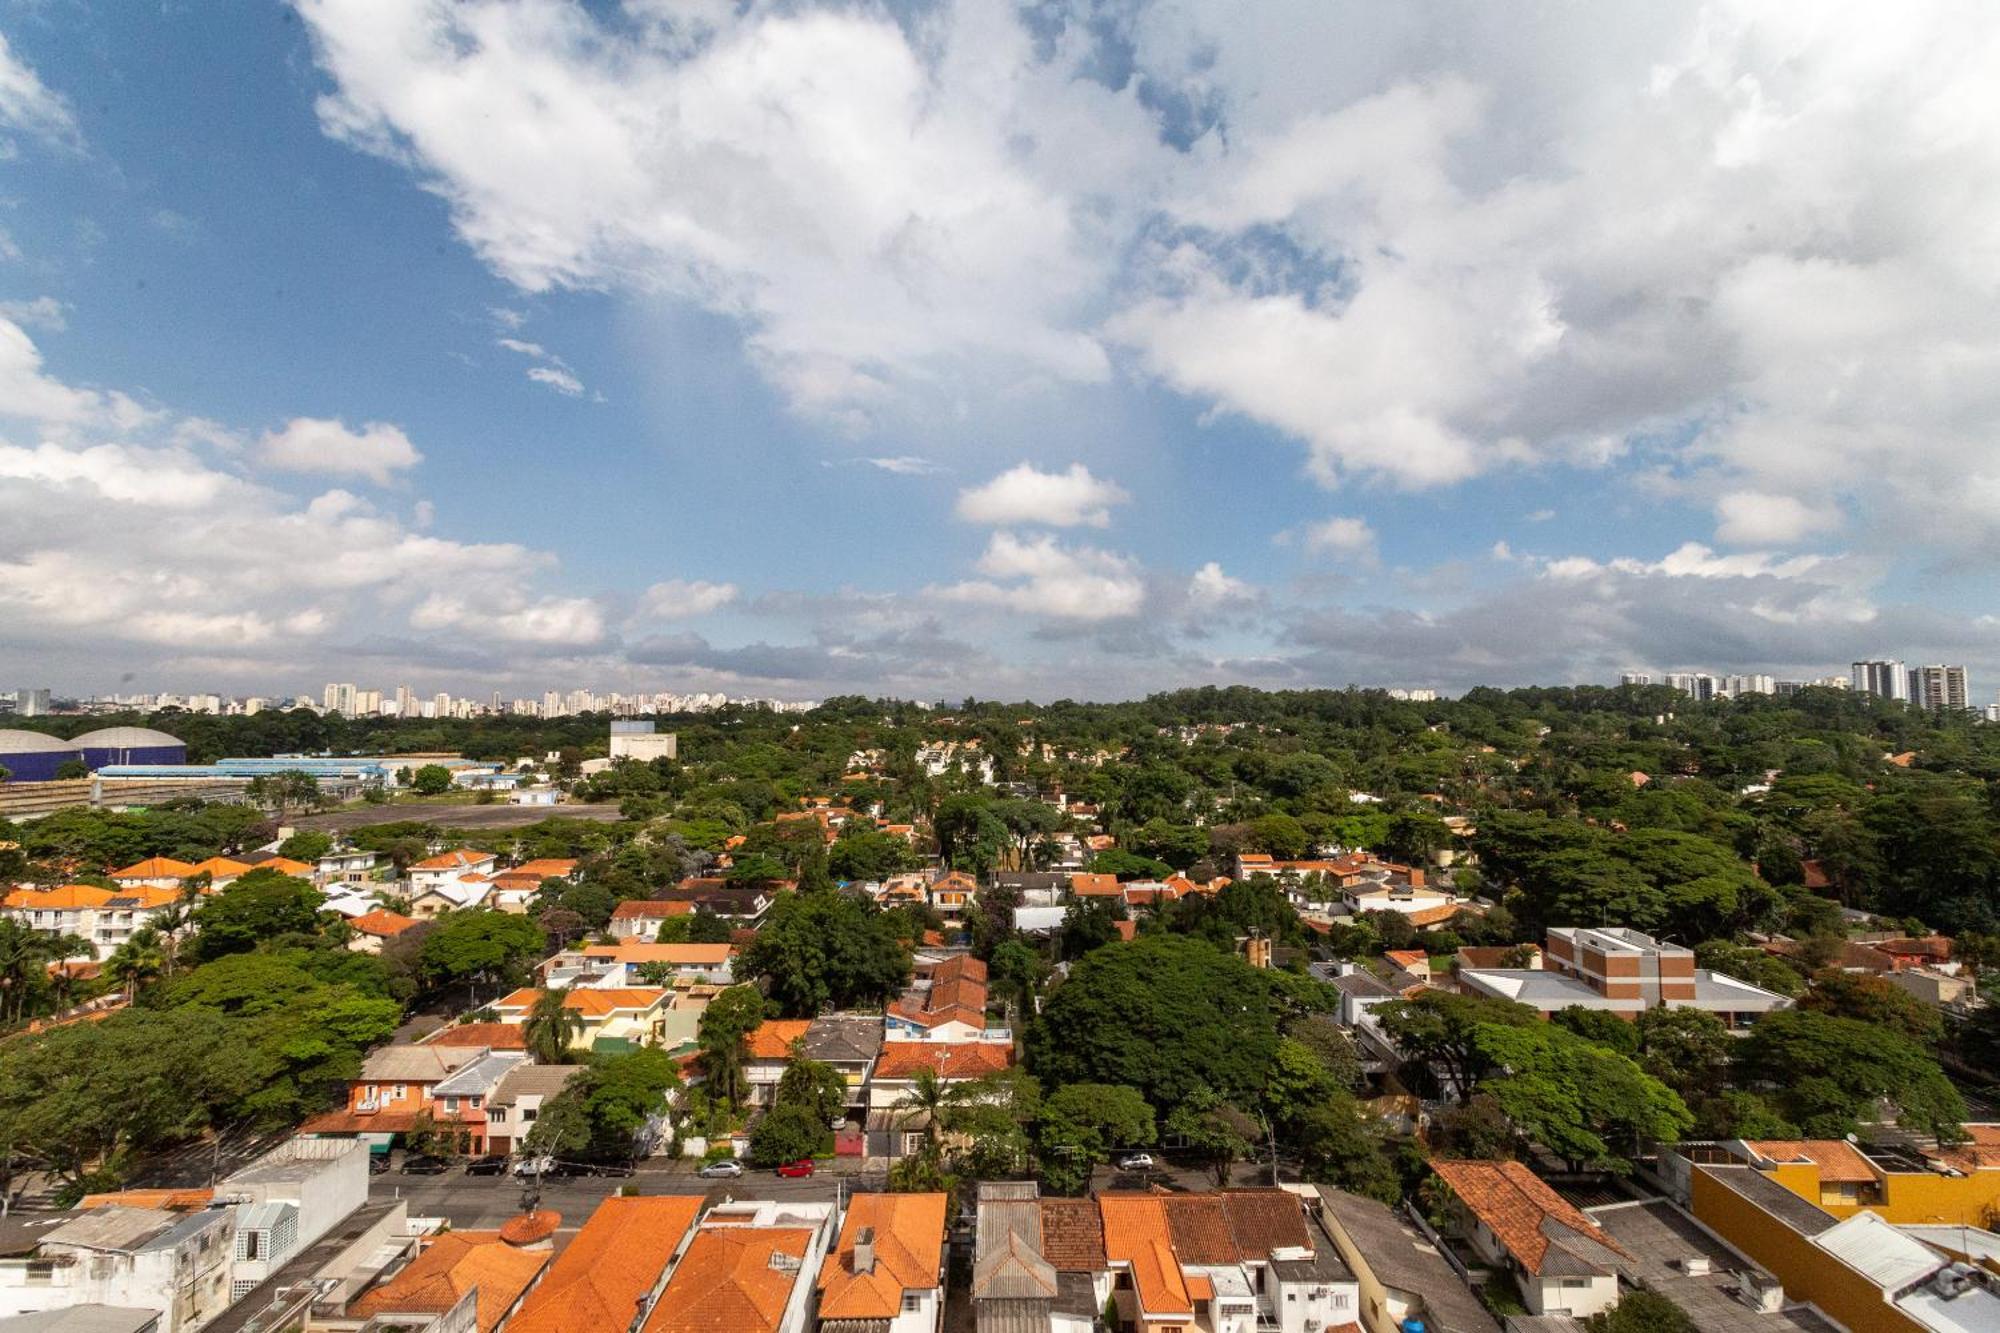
1837, 1159
451, 1265
498, 1036
727, 1282
909, 1254
1516, 1206
951, 1059
615, 1259
382, 922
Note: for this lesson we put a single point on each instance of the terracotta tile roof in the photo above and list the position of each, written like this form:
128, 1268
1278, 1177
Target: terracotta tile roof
1073, 1235
498, 1036
462, 858
727, 1283
1520, 1210
284, 865
951, 1059
62, 898
615, 1259
772, 1040
642, 908
451, 1265
959, 967
546, 867
1263, 1220
592, 1001
909, 1252
1407, 958
382, 922
1137, 1234
1432, 916
1837, 1159
1085, 885
680, 955
155, 867
1980, 1151
169, 1200
1199, 1229
220, 867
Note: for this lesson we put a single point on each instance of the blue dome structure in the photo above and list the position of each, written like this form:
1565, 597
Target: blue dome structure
130, 745
30, 756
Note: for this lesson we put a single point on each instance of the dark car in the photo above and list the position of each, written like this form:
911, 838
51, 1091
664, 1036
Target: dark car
797, 1170
486, 1166
378, 1164
419, 1165
612, 1169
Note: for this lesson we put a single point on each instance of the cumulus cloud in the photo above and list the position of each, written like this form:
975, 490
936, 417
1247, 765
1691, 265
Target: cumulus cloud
1025, 494
1343, 537
311, 444
683, 599
1210, 588
1750, 518
1040, 576
27, 104
43, 312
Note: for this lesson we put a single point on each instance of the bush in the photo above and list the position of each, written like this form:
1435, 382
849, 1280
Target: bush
788, 1133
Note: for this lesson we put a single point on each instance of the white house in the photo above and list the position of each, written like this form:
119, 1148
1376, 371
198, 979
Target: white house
137, 1258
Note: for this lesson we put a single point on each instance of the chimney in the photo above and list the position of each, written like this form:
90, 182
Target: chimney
864, 1250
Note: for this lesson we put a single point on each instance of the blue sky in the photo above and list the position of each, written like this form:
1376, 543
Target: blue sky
1070, 350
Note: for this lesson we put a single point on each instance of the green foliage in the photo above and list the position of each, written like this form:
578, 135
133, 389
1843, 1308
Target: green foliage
1873, 1000
787, 1133
431, 780
1089, 923
307, 845
1749, 963
817, 1086
1165, 1015
1127, 865
478, 945
1214, 1131
1825, 1074
1606, 1029
262, 905
1081, 1124
551, 1026
862, 853
822, 950
1438, 1033
730, 1017
1642, 1311
1587, 1104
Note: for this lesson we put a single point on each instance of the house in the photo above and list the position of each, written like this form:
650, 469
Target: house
371, 930
1016, 1288
450, 1267
281, 865
155, 872
625, 964
611, 1268
437, 897
461, 1096
1562, 1260
103, 918
748, 1269
641, 919
394, 1089
287, 1199
1861, 1270
850, 1043
493, 1036
1085, 884
954, 893
450, 867
886, 1272
615, 1019
1957, 1185
1675, 1256
766, 1052
516, 1101
1957, 991
1037, 888
547, 867
1623, 972
1412, 900
352, 864
946, 1003
1400, 1275
892, 1131
173, 1263
222, 871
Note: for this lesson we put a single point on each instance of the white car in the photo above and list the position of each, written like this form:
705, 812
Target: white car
1135, 1161
534, 1166
719, 1170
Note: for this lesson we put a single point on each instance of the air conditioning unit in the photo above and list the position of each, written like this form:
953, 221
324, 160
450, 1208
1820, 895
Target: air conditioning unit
1695, 1265
1761, 1292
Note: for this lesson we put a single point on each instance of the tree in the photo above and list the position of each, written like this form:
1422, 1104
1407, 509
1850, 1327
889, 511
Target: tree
431, 780
25, 956
1016, 969
1176, 845
69, 770
822, 950
1339, 1144
1219, 1133
1826, 1074
1642, 1311
815, 1085
306, 845
787, 1134
1126, 865
1874, 1000
1601, 1026
1087, 924
1166, 1015
260, 906
1751, 964
1437, 1033
730, 1018
474, 945
285, 791
1589, 1105
552, 1026
138, 962
1078, 1127
1687, 1049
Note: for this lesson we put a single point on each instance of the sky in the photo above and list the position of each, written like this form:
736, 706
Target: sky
1039, 350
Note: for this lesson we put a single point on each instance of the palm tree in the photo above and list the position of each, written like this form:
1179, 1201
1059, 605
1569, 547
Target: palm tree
932, 1104
139, 962
551, 1026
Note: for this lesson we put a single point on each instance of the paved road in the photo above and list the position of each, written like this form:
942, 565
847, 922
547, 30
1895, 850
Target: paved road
452, 815
484, 1202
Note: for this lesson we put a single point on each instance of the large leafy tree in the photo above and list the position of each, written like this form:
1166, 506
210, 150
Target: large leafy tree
1826, 1073
478, 946
822, 950
1164, 1014
1588, 1104
729, 1019
262, 905
1437, 1032
1079, 1126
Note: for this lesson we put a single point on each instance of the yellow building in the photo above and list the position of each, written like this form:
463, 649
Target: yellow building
1954, 1186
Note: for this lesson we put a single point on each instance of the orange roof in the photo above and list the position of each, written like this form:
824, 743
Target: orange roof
773, 1038
1127, 930
728, 1282
147, 896
499, 1036
1407, 958
220, 867
592, 1001
457, 859
1092, 885
451, 1265
648, 907
1136, 1234
172, 1200
1200, 1286
1980, 1151
1432, 916
382, 922
681, 955
155, 867
1515, 1205
909, 1252
284, 865
548, 867
65, 897
951, 1059
614, 1260
529, 1228
1837, 1159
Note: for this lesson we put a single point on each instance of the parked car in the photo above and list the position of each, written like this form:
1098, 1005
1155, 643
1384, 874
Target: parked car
378, 1164
418, 1164
486, 1166
796, 1170
1136, 1161
535, 1166
611, 1169
727, 1168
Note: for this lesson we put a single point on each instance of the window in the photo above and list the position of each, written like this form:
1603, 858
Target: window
913, 1300
528, 1113
497, 1115
451, 1106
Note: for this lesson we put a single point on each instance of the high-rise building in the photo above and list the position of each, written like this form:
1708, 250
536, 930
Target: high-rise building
1696, 685
1636, 678
1883, 678
1939, 687
31, 703
1741, 685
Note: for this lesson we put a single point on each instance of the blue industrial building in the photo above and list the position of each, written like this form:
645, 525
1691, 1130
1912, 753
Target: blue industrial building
129, 745
30, 756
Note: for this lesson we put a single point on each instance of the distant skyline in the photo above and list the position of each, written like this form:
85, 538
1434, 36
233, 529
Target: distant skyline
1053, 350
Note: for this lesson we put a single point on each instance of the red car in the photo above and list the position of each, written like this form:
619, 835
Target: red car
796, 1170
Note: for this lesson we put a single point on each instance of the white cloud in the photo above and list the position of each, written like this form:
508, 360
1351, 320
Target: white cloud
683, 599
556, 378
535, 350
905, 465
570, 621
506, 318
310, 444
27, 394
1210, 588
43, 312
1024, 494
1039, 576
1349, 538
1751, 518
26, 104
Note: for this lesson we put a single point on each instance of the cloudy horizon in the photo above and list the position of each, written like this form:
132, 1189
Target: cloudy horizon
1043, 350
